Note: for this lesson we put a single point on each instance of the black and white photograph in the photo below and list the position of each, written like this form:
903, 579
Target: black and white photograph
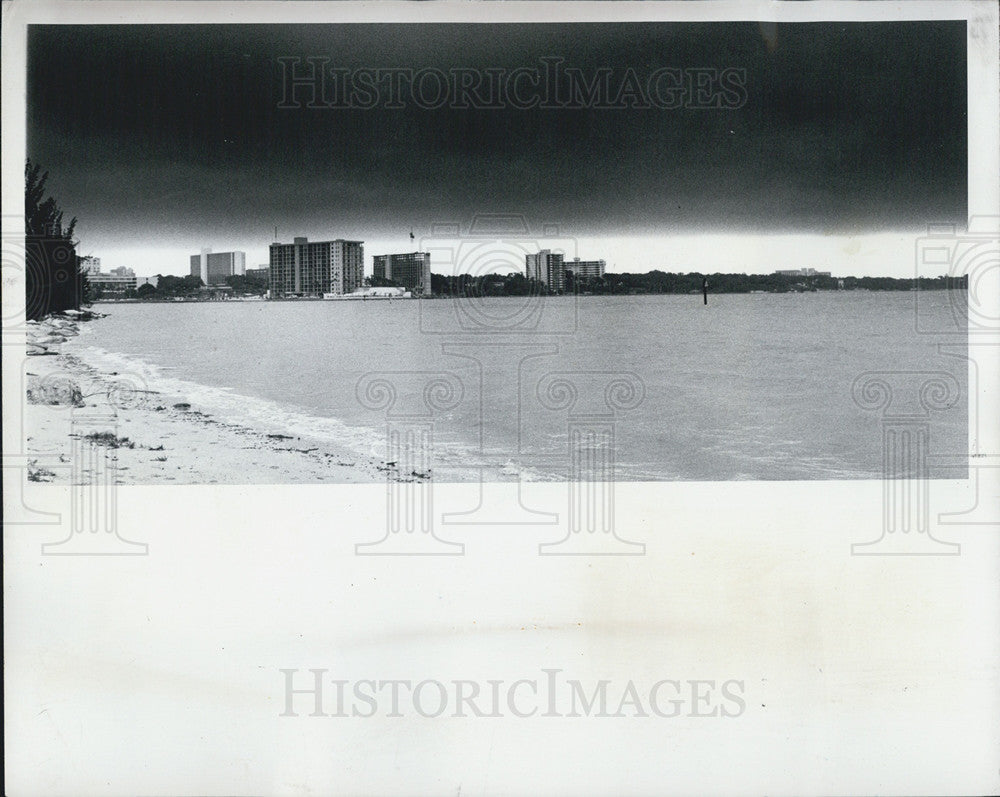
501, 397
286, 231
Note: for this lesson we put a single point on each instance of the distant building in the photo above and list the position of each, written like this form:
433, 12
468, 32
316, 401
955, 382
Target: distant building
154, 281
214, 267
305, 268
547, 267
586, 269
802, 272
199, 265
411, 270
114, 284
90, 264
260, 273
383, 292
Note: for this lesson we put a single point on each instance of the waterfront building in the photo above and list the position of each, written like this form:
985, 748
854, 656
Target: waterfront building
411, 270
213, 268
90, 264
802, 272
547, 267
586, 269
114, 284
364, 294
260, 273
315, 268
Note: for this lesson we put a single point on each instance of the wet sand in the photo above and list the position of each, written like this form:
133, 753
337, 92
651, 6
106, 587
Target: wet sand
153, 437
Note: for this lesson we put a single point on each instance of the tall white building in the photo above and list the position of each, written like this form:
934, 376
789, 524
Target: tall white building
214, 267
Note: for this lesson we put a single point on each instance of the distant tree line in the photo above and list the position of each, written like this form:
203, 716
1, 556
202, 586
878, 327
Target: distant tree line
664, 282
667, 282
243, 285
515, 284
168, 287
54, 281
188, 286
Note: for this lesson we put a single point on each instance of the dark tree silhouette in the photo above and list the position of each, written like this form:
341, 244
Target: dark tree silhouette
53, 279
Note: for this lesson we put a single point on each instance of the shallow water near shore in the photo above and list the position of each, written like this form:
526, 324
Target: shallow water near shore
754, 386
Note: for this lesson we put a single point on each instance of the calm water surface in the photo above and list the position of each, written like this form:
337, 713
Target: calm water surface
754, 386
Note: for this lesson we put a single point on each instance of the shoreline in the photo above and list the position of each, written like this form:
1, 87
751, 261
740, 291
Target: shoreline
156, 436
444, 296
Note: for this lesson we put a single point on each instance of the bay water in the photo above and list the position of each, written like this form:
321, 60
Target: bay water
751, 386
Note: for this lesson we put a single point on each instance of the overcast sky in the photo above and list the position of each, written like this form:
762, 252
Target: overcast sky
164, 139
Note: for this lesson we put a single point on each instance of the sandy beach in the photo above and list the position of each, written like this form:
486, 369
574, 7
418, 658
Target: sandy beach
154, 437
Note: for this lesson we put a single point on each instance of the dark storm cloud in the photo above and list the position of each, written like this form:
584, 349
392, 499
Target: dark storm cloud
177, 130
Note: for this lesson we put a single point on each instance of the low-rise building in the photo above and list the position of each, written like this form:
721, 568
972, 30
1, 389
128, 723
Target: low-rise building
90, 264
801, 272
114, 284
384, 292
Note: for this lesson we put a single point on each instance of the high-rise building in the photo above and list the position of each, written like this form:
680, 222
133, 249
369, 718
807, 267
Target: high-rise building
225, 264
199, 265
411, 270
305, 268
546, 266
214, 267
586, 269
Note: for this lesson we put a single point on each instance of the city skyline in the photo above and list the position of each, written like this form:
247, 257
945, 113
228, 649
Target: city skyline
879, 255
849, 129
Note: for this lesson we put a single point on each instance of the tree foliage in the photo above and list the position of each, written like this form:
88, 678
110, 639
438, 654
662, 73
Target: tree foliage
515, 284
244, 285
171, 286
53, 279
657, 282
